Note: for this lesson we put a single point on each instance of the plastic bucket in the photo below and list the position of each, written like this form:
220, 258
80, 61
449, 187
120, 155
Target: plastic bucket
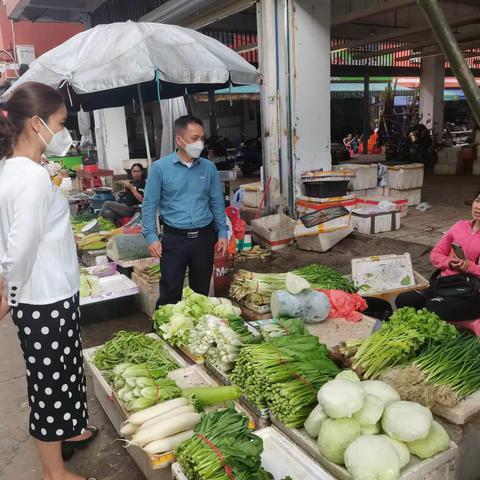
378, 308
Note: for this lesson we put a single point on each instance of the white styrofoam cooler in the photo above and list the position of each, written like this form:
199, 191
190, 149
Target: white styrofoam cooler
406, 176
476, 166
412, 195
253, 194
450, 155
374, 220
382, 195
273, 232
454, 168
365, 175
281, 457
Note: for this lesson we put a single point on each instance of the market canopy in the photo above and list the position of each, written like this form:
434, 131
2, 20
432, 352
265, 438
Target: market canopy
103, 67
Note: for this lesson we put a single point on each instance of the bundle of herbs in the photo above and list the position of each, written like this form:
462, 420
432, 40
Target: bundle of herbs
222, 448
132, 348
400, 340
284, 375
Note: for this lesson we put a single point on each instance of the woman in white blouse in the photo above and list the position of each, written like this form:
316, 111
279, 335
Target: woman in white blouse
40, 273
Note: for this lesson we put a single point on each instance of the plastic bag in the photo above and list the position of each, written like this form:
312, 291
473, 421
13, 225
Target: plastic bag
345, 305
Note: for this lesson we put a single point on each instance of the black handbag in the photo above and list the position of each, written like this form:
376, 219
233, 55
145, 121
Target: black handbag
454, 285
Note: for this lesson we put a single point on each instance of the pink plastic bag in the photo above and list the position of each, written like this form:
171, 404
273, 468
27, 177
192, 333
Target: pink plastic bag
345, 305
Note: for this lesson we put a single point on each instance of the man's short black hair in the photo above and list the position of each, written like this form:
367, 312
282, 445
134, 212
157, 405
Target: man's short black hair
181, 123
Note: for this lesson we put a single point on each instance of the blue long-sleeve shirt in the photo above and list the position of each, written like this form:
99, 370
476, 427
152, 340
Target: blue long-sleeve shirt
188, 197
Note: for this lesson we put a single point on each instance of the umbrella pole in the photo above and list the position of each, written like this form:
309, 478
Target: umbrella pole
144, 123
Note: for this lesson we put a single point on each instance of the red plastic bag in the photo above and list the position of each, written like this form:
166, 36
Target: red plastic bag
345, 305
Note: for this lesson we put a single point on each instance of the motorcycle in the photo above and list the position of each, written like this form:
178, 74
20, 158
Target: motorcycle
220, 151
249, 156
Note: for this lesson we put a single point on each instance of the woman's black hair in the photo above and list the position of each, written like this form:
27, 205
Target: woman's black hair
26, 101
140, 166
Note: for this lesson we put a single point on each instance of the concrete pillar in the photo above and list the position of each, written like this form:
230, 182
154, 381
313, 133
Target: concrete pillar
432, 83
112, 140
294, 48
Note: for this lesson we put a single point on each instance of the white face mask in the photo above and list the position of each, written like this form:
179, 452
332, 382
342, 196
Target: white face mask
60, 142
194, 149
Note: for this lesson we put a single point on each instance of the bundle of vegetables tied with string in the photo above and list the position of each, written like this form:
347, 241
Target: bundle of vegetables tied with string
284, 375
136, 349
257, 288
175, 322
406, 335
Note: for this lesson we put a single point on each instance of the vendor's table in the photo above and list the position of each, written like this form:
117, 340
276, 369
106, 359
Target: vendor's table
463, 425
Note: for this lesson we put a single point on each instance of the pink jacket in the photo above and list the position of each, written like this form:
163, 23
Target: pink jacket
462, 234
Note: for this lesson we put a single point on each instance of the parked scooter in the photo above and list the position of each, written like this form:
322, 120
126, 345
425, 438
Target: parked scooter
249, 156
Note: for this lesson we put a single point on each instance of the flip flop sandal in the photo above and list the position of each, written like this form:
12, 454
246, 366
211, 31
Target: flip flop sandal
82, 443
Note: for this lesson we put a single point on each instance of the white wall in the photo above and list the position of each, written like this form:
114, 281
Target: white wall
112, 140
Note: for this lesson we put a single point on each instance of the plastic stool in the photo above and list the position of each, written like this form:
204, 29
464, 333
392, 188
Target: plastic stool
472, 325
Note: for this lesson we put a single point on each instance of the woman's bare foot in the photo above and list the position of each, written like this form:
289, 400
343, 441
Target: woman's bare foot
65, 476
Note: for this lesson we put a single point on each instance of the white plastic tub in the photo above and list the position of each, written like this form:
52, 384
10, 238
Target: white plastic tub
365, 175
406, 176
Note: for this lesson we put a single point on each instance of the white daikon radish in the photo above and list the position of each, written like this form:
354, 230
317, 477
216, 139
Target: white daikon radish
167, 428
165, 416
168, 443
296, 284
128, 430
141, 417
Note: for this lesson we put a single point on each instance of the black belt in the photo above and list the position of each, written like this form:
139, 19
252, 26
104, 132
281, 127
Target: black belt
191, 233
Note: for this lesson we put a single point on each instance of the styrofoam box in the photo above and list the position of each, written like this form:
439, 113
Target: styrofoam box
454, 168
368, 201
406, 176
274, 231
281, 457
365, 175
324, 241
364, 193
253, 194
368, 222
310, 204
413, 195
449, 155
476, 167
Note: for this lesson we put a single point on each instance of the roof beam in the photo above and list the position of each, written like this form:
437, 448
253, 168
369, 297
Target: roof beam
401, 33
384, 7
428, 43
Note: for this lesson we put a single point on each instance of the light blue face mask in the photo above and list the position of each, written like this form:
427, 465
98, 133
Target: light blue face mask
60, 142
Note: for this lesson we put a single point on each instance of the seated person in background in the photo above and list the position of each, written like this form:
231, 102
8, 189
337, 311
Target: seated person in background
131, 197
454, 289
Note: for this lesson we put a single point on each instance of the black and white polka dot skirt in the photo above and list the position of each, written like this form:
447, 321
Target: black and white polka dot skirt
52, 348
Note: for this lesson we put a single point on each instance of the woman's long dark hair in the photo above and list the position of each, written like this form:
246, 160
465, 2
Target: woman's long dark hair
27, 100
140, 166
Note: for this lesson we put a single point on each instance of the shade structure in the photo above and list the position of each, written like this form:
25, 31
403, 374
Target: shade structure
102, 67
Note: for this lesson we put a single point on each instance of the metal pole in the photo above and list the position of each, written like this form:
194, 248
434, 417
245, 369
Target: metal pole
366, 112
449, 45
144, 123
213, 114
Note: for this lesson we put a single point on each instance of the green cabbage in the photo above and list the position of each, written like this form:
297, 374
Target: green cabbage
314, 421
372, 457
402, 451
371, 429
348, 375
407, 421
371, 412
226, 311
335, 436
341, 398
436, 441
381, 390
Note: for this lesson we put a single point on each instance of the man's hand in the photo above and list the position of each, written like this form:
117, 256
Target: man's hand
155, 249
222, 246
4, 307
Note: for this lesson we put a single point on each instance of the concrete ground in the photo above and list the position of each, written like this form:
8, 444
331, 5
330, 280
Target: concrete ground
105, 458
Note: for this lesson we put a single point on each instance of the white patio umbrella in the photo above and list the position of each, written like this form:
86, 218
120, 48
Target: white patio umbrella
116, 64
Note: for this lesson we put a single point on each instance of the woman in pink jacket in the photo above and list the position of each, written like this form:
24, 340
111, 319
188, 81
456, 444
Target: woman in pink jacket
454, 292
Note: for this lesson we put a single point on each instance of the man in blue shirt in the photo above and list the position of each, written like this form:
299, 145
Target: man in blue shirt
186, 189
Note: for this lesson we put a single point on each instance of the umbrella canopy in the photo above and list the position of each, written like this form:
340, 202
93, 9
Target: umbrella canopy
102, 67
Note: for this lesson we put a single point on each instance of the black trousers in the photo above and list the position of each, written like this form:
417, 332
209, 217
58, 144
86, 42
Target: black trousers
180, 253
451, 308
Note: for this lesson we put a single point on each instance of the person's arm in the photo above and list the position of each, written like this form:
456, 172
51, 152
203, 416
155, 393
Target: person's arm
441, 253
138, 196
25, 233
151, 202
217, 205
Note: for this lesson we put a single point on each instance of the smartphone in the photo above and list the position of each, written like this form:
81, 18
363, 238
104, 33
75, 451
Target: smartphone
458, 250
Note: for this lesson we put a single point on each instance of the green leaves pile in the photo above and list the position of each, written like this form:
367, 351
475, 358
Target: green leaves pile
403, 338
222, 448
284, 375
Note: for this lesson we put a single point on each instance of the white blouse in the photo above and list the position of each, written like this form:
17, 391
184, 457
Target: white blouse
38, 259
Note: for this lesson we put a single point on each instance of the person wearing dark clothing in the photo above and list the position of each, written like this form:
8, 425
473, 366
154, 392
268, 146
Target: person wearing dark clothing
127, 200
186, 189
